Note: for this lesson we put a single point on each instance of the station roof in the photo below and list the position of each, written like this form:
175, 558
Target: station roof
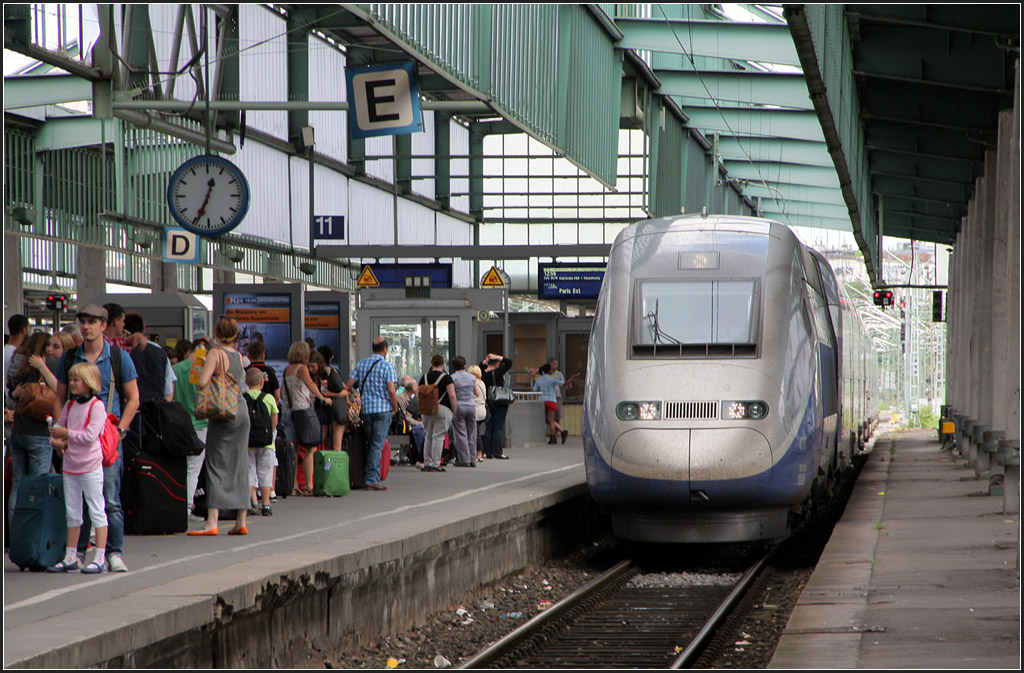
930, 82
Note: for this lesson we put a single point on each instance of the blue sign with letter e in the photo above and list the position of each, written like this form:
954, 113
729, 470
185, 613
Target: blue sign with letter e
383, 100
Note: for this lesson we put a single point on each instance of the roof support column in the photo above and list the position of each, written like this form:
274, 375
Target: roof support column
476, 171
356, 57
298, 75
981, 352
442, 159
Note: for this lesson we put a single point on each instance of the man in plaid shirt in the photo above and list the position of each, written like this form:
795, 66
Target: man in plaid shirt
375, 378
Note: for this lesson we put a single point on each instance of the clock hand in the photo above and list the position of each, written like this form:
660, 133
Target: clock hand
202, 208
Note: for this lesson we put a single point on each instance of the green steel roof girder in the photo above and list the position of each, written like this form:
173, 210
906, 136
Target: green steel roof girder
797, 125
758, 42
61, 133
23, 92
794, 193
762, 11
138, 41
229, 70
781, 150
806, 209
790, 173
762, 88
807, 220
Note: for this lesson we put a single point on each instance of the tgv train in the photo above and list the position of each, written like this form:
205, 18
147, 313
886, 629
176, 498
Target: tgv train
729, 385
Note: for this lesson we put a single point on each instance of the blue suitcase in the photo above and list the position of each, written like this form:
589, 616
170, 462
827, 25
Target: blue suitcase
39, 527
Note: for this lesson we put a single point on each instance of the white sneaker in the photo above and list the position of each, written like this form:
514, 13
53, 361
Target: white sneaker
116, 563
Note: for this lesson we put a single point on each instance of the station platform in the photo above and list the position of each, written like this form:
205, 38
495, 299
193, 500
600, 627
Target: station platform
922, 571
329, 549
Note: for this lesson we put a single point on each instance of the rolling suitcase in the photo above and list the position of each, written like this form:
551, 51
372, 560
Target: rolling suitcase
286, 467
39, 526
199, 507
354, 444
155, 489
330, 473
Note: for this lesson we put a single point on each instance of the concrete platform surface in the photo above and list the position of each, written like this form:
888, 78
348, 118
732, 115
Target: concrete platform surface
921, 571
171, 577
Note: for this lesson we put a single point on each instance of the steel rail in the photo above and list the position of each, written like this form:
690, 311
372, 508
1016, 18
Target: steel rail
501, 647
693, 650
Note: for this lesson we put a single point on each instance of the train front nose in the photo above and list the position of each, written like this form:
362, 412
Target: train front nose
690, 467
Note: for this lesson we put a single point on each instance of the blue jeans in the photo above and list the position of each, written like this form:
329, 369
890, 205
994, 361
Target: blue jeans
112, 500
494, 436
376, 427
30, 454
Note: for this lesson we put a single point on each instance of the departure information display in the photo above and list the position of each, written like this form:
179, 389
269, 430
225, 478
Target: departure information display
569, 281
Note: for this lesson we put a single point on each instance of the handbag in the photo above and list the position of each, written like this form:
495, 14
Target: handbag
307, 427
500, 396
218, 400
36, 401
305, 422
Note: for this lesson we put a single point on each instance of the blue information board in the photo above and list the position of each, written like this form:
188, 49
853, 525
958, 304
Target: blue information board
393, 275
569, 281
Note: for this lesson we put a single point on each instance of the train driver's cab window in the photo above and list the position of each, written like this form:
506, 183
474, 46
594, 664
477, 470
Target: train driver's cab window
696, 319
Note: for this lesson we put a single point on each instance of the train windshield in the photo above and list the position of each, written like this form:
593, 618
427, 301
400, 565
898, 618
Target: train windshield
679, 314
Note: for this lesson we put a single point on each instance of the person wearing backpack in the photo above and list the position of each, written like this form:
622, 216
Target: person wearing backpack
435, 395
262, 421
119, 392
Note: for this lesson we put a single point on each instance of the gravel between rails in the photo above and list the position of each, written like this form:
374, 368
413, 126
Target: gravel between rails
482, 616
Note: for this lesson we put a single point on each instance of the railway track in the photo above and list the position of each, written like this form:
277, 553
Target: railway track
617, 621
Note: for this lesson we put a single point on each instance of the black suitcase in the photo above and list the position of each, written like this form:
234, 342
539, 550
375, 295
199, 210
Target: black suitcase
153, 494
199, 507
355, 445
286, 467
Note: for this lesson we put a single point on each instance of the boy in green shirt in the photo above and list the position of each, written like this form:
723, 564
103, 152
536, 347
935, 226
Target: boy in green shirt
185, 392
261, 436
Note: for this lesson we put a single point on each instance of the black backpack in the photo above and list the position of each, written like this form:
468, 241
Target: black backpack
167, 428
261, 432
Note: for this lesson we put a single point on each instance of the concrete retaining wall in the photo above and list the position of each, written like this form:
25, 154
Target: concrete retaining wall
300, 615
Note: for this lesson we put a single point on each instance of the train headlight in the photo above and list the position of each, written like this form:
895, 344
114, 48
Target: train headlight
744, 410
638, 411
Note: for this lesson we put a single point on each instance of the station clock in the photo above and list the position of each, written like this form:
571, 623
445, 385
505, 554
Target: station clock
208, 195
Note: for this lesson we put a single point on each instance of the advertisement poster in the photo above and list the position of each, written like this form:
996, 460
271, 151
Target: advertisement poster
266, 318
323, 325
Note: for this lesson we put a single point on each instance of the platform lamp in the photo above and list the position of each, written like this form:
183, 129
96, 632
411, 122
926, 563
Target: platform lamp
309, 141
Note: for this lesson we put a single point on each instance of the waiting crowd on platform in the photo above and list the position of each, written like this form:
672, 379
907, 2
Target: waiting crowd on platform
143, 438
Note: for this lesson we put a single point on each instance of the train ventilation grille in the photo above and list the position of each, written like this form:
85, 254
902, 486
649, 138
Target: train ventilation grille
690, 411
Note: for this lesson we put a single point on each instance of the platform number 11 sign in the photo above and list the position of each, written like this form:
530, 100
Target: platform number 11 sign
329, 227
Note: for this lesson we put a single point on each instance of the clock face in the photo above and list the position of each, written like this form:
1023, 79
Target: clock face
208, 195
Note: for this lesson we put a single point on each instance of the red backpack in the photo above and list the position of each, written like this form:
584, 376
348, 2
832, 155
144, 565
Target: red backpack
109, 436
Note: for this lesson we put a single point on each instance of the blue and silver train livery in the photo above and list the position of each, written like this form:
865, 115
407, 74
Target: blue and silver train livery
729, 382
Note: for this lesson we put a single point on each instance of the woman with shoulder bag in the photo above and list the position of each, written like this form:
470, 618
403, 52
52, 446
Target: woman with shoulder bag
299, 390
337, 391
227, 439
436, 424
494, 369
30, 375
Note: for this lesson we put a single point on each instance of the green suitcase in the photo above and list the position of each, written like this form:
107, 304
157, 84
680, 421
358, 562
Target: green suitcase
330, 473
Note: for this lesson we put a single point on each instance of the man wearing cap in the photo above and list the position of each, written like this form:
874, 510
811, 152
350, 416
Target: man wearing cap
92, 321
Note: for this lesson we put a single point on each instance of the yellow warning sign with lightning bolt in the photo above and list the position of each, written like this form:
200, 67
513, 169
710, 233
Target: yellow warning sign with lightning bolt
367, 279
